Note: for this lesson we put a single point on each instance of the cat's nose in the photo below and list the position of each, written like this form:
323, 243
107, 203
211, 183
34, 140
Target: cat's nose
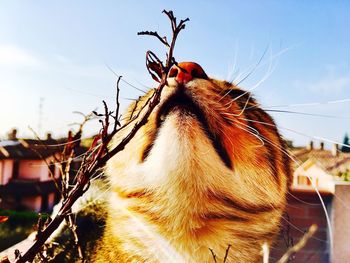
186, 71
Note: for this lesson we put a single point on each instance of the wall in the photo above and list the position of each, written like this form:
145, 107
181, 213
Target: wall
6, 172
1, 173
33, 169
51, 201
28, 169
33, 203
341, 220
303, 210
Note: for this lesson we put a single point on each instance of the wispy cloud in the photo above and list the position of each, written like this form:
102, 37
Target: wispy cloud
14, 56
330, 83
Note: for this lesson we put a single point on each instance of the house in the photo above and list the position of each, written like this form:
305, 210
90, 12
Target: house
312, 174
317, 168
29, 173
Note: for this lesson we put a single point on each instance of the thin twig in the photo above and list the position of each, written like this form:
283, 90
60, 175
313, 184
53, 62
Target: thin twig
213, 254
116, 122
301, 243
226, 253
154, 33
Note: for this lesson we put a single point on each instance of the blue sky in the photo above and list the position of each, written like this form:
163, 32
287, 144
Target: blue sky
60, 51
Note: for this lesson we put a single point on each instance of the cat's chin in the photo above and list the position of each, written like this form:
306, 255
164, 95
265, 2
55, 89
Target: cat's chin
182, 105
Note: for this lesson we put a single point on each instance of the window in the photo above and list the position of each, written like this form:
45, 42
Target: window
308, 181
15, 170
304, 180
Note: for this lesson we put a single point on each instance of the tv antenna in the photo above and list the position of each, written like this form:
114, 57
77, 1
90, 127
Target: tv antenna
40, 115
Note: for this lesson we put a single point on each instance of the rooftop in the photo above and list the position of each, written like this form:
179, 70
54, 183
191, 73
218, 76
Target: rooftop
28, 148
332, 161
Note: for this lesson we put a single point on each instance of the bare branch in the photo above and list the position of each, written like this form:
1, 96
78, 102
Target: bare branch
99, 155
134, 108
213, 254
301, 243
176, 28
154, 33
116, 121
226, 253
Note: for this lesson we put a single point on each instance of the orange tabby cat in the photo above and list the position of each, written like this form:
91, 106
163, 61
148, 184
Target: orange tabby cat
203, 173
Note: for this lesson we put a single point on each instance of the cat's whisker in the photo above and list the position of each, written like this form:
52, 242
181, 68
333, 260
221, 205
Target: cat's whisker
62, 162
123, 80
254, 67
130, 99
318, 138
269, 72
57, 144
97, 176
308, 114
267, 75
303, 231
234, 69
307, 104
228, 105
243, 109
251, 130
302, 201
256, 135
88, 154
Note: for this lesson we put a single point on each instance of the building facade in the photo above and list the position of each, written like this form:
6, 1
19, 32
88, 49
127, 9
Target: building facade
28, 173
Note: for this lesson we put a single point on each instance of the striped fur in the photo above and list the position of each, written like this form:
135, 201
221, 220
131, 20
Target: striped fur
199, 178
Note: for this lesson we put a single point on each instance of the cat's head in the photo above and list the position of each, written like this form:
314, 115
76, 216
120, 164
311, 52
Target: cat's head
207, 137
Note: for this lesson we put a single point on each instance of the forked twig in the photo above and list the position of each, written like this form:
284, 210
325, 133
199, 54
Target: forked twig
225, 257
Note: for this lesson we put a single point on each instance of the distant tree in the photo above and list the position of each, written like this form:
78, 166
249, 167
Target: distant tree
346, 144
345, 176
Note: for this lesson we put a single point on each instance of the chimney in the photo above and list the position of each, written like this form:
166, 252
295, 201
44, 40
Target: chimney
335, 150
49, 136
289, 143
12, 135
310, 146
322, 146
